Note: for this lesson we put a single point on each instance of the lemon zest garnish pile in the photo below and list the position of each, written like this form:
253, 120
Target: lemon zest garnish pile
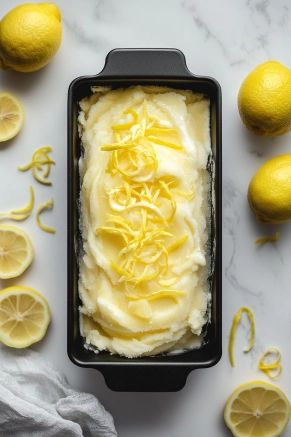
39, 159
40, 209
269, 368
144, 254
235, 322
268, 239
23, 213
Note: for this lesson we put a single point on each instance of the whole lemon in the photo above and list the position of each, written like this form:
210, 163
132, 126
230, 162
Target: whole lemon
264, 100
269, 192
30, 36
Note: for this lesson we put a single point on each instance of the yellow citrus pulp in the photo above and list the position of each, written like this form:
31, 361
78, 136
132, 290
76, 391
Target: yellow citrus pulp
264, 100
30, 36
269, 192
16, 252
257, 409
24, 316
11, 116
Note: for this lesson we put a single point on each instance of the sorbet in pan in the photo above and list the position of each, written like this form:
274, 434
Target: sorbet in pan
144, 220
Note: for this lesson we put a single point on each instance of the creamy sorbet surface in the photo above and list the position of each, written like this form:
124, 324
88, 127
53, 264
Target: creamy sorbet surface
145, 217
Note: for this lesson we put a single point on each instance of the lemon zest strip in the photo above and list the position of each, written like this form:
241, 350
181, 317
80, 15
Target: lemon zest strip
268, 368
235, 322
117, 146
111, 230
177, 244
119, 270
38, 178
160, 130
126, 126
23, 213
40, 209
268, 239
188, 196
164, 143
167, 282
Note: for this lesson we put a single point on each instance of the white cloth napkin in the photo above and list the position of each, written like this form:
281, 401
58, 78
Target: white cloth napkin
37, 401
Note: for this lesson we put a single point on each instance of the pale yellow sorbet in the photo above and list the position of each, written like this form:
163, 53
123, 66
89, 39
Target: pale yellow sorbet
144, 220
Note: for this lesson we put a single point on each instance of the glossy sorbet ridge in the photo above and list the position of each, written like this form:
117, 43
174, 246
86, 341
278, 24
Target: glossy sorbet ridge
144, 220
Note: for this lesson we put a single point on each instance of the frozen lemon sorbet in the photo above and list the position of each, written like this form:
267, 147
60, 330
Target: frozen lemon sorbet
144, 220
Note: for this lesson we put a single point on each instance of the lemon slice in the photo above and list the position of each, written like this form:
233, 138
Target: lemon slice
257, 409
11, 116
24, 316
16, 252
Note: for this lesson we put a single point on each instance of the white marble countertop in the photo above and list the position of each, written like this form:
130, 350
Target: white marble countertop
225, 40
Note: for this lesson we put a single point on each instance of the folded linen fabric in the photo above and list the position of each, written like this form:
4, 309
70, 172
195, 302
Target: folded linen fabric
37, 401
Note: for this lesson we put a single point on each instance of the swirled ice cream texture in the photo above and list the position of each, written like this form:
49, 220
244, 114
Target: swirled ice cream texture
144, 220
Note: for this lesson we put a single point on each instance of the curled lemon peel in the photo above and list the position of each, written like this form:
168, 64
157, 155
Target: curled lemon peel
126, 126
23, 213
40, 159
270, 367
235, 322
39, 211
268, 239
144, 254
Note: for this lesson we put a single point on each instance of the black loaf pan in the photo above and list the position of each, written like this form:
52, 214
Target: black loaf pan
124, 68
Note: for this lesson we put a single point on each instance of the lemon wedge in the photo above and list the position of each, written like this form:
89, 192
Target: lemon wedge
24, 316
11, 116
16, 252
257, 409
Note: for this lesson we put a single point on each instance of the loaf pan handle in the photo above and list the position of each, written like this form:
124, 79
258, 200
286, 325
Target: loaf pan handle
145, 378
145, 63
